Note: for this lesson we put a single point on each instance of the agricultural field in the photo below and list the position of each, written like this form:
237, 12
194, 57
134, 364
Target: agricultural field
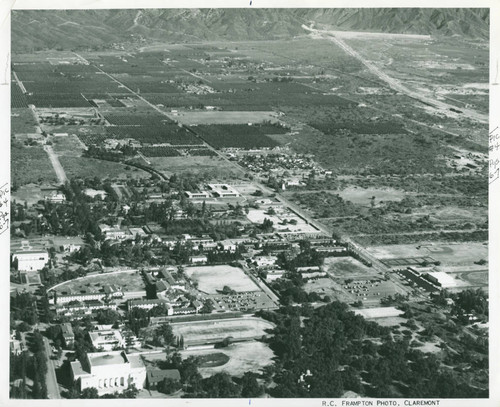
210, 279
347, 267
17, 97
129, 281
154, 134
206, 332
159, 152
122, 117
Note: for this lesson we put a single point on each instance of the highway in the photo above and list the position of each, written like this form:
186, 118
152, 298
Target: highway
52, 386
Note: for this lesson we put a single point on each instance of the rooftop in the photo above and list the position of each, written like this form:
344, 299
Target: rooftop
157, 375
108, 358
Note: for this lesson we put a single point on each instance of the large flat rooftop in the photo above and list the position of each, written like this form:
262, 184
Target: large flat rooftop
108, 358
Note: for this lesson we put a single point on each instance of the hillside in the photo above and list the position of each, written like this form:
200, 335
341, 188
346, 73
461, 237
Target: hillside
67, 29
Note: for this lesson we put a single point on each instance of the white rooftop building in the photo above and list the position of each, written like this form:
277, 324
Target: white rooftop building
109, 372
30, 260
107, 339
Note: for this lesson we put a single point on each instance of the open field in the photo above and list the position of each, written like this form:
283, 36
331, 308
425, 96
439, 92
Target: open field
243, 357
213, 278
214, 331
452, 254
92, 167
214, 166
128, 280
22, 121
362, 196
225, 117
69, 146
347, 267
29, 193
473, 278
327, 287
30, 164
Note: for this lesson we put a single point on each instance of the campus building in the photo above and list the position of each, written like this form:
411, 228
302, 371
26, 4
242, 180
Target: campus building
67, 335
30, 260
109, 372
223, 191
107, 339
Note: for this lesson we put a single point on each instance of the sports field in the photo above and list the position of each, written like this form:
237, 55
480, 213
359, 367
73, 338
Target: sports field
202, 332
213, 278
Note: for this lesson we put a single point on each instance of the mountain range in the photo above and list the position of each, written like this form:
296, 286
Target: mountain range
67, 29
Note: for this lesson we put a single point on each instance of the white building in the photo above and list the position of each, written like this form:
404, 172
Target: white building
223, 190
265, 261
197, 195
56, 197
107, 340
95, 192
109, 372
149, 304
67, 298
198, 259
30, 260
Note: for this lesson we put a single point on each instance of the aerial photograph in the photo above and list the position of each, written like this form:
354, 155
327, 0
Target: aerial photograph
249, 203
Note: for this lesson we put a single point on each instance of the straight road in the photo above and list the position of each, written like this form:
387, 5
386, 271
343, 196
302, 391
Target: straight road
52, 386
54, 159
395, 84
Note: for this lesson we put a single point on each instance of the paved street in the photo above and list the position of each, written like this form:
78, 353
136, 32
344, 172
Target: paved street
52, 386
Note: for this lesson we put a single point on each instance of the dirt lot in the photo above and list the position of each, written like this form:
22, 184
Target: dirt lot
347, 267
452, 254
213, 278
362, 196
224, 117
214, 331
